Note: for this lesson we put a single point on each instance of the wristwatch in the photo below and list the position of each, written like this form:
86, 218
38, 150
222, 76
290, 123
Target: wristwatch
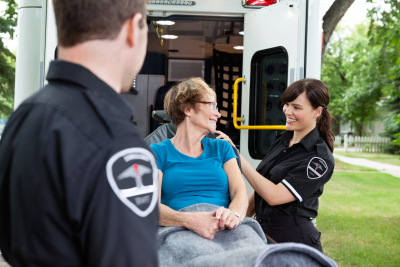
236, 214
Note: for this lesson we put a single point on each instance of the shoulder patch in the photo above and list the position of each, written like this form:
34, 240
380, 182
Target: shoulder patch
316, 168
133, 176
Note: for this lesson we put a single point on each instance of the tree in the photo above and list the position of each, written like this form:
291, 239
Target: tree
352, 70
331, 19
365, 66
8, 22
385, 34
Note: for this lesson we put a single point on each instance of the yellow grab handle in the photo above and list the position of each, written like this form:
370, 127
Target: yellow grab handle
250, 127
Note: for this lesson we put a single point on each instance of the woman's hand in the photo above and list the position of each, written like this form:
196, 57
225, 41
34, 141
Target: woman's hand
224, 137
204, 224
226, 218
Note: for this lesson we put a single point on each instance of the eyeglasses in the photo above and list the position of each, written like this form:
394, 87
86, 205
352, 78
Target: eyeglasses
212, 104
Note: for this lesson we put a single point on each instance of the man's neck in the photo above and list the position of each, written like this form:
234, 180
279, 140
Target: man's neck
99, 58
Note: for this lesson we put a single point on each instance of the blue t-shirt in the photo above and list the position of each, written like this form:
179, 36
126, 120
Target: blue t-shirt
188, 180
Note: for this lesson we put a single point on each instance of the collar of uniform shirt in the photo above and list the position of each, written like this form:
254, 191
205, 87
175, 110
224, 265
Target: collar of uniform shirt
308, 141
65, 71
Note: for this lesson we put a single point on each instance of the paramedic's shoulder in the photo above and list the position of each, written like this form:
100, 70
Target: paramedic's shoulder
324, 152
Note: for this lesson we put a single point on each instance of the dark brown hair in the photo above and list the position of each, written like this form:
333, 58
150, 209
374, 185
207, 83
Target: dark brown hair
183, 95
318, 94
84, 20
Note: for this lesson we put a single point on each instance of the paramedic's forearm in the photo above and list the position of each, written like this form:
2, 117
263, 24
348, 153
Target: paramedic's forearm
273, 194
251, 210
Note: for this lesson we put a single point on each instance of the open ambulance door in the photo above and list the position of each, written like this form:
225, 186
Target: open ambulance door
275, 55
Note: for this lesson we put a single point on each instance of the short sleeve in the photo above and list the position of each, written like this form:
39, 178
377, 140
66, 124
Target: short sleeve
308, 177
157, 152
227, 151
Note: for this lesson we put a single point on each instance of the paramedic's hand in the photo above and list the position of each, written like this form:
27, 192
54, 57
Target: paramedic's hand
224, 137
226, 218
204, 224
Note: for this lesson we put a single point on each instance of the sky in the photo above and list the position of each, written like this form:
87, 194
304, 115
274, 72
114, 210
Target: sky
356, 14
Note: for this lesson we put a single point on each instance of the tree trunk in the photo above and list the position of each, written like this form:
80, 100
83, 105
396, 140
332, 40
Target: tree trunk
332, 18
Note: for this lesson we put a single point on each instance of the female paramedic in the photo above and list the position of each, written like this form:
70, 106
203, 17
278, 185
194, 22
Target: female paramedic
290, 179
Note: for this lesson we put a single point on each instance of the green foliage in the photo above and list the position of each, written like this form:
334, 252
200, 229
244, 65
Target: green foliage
385, 34
352, 70
8, 22
362, 70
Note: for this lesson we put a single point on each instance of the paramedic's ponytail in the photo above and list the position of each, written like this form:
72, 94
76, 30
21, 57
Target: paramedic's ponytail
324, 128
318, 94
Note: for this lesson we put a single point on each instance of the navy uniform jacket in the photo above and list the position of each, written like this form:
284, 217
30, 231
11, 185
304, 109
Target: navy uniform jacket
78, 186
303, 169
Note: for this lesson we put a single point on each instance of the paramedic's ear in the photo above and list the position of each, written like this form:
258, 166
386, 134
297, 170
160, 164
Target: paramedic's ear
318, 112
135, 26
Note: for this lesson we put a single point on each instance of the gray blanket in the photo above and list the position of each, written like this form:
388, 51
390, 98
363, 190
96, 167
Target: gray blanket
245, 246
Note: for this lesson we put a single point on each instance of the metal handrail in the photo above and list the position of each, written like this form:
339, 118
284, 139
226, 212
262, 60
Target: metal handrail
248, 127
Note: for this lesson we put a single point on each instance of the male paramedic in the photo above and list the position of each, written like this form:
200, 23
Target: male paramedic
78, 187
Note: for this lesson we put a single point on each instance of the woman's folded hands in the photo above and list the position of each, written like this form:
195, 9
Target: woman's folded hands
207, 224
226, 218
203, 224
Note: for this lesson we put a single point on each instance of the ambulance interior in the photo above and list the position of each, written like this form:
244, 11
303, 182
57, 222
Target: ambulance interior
211, 48
206, 47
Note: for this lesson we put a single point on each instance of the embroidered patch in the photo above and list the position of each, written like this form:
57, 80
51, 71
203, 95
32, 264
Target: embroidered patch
316, 168
132, 174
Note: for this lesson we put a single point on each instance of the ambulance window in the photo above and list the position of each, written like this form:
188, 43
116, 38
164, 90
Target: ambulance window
269, 76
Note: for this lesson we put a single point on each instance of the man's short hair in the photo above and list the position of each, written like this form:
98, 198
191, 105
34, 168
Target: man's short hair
184, 95
84, 20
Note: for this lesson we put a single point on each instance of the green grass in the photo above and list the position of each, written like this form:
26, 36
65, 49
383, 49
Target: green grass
359, 218
380, 157
342, 166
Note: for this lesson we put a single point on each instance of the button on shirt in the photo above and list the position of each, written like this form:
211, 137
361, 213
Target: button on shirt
78, 186
303, 169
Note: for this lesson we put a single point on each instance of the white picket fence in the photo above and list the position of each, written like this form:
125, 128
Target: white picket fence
364, 143
339, 140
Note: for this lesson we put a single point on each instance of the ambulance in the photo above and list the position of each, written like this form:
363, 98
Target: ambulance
248, 51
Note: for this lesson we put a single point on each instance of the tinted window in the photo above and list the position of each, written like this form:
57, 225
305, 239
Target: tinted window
268, 82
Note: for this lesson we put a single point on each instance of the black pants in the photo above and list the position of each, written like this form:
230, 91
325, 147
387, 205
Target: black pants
296, 229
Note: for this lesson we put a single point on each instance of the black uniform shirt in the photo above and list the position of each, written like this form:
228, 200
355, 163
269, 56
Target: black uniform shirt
303, 168
78, 186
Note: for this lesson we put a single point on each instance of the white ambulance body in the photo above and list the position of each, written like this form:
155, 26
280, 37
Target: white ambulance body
276, 44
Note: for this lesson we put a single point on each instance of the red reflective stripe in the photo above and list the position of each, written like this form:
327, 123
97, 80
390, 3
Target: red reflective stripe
260, 2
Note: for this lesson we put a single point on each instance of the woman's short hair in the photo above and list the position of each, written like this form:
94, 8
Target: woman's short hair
185, 95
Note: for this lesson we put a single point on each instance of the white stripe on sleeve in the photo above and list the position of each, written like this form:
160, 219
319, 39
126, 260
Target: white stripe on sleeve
292, 190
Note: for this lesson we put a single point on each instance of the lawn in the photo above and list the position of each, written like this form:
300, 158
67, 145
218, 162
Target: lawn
342, 166
380, 157
359, 217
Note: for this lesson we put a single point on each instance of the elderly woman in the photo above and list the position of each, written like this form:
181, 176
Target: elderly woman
194, 169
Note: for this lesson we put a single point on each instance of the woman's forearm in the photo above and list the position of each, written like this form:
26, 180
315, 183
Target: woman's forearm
170, 217
239, 203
